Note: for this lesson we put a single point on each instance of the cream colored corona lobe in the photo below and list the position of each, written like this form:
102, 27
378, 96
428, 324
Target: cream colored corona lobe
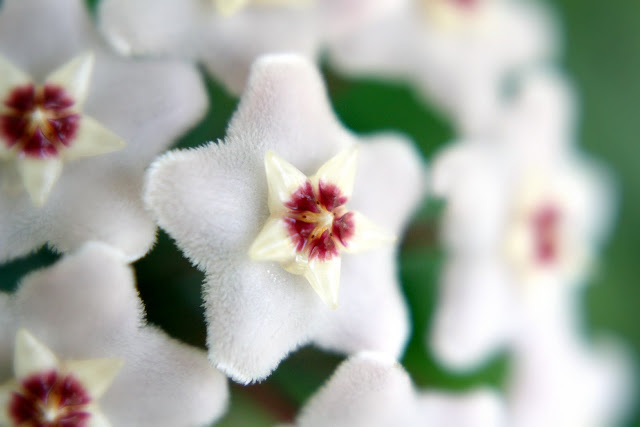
310, 225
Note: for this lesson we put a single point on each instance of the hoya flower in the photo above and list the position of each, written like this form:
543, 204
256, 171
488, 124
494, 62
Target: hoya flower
274, 243
525, 214
458, 53
47, 391
78, 126
85, 356
371, 389
227, 35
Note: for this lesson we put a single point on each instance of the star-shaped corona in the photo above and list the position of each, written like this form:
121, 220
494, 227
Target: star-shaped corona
310, 224
231, 7
42, 125
48, 392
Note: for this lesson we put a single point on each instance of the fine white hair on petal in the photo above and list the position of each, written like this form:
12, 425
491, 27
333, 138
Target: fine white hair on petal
86, 306
371, 389
148, 104
213, 201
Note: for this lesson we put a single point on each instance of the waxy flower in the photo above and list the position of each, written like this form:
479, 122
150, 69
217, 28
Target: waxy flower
64, 96
42, 125
214, 201
227, 35
524, 216
459, 53
309, 224
371, 389
89, 358
47, 391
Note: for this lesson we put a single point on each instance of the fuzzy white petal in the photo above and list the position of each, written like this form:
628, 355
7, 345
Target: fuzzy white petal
31, 356
147, 103
257, 312
162, 381
371, 313
477, 408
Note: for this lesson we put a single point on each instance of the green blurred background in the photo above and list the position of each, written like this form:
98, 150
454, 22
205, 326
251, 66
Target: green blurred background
602, 56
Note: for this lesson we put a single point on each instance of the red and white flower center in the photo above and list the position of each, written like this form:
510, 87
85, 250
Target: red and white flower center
38, 121
318, 222
49, 399
545, 228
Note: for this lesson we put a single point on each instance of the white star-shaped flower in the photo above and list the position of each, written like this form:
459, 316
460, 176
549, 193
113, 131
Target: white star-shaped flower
458, 53
48, 391
524, 217
227, 35
215, 200
86, 307
42, 125
310, 225
59, 102
371, 389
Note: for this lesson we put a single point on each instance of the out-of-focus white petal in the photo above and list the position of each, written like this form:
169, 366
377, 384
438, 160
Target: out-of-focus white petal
31, 356
283, 180
367, 389
39, 176
75, 77
474, 314
480, 407
85, 307
147, 103
561, 382
96, 375
372, 389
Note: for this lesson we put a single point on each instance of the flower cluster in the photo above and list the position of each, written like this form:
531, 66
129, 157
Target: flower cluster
295, 221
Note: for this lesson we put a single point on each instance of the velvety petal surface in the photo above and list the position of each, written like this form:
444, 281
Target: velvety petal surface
86, 306
147, 103
213, 202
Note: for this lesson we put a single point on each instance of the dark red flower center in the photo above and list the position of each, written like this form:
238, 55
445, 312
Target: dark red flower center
38, 121
317, 220
545, 223
50, 399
